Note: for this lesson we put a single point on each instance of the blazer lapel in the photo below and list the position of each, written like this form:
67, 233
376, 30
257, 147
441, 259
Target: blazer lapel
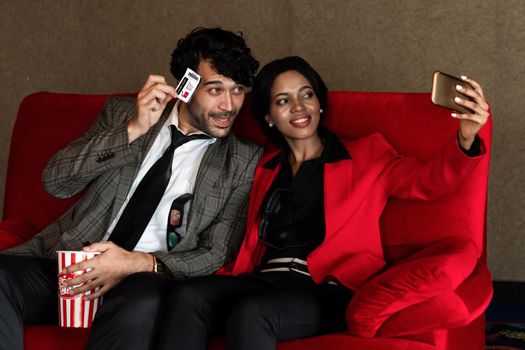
339, 203
209, 171
251, 251
129, 172
263, 180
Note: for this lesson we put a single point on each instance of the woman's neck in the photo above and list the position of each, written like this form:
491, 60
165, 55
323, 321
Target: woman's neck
302, 150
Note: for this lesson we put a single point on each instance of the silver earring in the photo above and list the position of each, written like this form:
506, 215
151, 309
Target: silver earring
321, 110
270, 124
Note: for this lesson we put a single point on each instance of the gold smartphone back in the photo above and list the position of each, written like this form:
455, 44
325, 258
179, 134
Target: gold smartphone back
444, 91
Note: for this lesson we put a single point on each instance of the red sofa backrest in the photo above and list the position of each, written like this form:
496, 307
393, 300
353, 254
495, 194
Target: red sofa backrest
45, 123
48, 121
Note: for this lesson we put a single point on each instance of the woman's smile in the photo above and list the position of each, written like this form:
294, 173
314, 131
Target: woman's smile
301, 121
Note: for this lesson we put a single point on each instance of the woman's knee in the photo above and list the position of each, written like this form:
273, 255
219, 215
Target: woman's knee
188, 297
250, 313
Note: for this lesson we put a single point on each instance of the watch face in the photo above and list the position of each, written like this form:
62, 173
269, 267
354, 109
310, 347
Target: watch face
159, 267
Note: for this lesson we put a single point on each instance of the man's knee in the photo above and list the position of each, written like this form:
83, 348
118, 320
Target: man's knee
5, 288
5, 266
4, 277
8, 285
137, 298
141, 287
130, 310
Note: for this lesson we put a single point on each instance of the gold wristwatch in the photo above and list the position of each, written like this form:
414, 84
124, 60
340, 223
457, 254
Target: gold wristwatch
158, 266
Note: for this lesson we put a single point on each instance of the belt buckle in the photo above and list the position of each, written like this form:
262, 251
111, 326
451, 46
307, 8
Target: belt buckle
294, 265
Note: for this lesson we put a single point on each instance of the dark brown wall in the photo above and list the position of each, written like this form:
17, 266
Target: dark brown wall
96, 46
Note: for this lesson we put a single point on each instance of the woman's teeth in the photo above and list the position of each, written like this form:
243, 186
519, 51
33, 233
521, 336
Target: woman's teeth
299, 121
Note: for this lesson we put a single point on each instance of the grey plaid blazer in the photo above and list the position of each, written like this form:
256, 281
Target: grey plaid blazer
103, 160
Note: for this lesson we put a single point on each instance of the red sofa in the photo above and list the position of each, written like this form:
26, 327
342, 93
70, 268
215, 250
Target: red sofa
437, 285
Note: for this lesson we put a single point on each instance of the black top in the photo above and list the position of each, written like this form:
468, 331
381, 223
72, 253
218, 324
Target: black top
294, 206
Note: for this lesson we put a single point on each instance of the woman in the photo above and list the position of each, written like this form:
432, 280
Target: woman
313, 232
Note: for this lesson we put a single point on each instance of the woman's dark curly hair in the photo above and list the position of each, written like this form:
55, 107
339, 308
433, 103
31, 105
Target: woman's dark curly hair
262, 88
227, 52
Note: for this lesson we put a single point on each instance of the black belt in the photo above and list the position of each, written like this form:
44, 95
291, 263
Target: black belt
288, 264
285, 264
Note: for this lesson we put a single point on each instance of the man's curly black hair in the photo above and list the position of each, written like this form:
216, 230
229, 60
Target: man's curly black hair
226, 51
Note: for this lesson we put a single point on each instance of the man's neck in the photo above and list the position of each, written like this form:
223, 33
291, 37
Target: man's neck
183, 117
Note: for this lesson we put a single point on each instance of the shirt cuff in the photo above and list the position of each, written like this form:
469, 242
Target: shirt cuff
475, 149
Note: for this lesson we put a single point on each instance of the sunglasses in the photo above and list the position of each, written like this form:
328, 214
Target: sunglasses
175, 219
277, 211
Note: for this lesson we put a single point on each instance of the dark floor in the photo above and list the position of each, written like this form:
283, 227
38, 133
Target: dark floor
506, 316
508, 303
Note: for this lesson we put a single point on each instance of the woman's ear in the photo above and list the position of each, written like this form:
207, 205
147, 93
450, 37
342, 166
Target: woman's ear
268, 120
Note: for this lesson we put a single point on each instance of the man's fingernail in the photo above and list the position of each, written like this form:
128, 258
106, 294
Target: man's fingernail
464, 77
454, 115
457, 99
459, 87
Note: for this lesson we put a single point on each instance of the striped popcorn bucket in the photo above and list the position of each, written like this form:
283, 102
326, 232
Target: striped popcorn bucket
73, 310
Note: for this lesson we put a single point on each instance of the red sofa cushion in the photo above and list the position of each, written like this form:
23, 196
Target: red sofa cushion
52, 337
14, 232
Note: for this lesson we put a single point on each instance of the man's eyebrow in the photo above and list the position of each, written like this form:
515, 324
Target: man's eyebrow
213, 82
280, 94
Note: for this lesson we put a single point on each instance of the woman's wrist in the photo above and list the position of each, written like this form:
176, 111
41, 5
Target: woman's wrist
465, 143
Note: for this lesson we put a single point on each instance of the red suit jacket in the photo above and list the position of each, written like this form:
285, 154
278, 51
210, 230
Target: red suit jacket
355, 193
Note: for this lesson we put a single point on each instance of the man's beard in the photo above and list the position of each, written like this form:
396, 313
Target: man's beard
202, 122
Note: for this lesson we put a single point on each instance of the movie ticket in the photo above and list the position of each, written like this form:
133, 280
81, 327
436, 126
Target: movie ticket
187, 85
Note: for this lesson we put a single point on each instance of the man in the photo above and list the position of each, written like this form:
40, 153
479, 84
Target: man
143, 159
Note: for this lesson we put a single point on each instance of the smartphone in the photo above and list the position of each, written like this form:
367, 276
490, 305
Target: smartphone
444, 91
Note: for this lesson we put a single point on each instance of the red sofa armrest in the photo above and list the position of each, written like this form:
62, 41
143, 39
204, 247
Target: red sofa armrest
450, 310
14, 232
432, 272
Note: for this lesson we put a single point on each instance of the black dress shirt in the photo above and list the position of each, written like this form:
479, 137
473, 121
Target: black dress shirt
297, 226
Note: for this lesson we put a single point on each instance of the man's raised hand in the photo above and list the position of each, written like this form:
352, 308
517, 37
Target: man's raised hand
151, 101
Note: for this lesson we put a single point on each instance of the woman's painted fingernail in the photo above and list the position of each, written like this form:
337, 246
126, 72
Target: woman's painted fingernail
457, 99
454, 115
464, 77
459, 87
